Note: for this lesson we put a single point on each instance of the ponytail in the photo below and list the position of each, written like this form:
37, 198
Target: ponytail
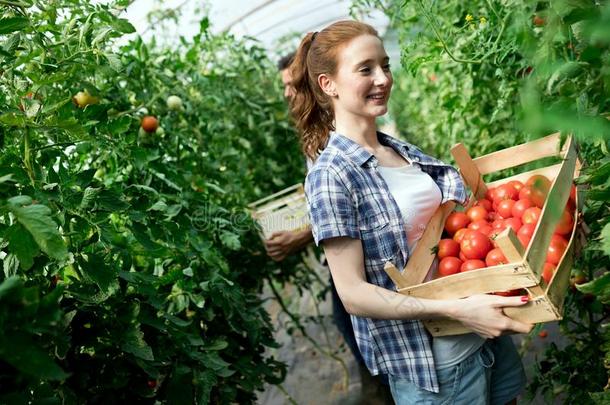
317, 54
310, 107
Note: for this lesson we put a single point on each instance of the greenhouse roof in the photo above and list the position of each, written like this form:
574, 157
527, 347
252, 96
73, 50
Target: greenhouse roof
269, 21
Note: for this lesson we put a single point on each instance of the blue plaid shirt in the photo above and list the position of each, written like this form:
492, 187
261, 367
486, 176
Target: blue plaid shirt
348, 197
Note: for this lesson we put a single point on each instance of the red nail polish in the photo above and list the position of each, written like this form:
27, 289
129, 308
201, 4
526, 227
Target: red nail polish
525, 298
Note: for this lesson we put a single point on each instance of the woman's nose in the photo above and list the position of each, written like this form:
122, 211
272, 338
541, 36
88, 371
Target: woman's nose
382, 78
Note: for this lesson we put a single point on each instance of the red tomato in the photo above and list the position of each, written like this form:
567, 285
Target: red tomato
520, 207
498, 224
547, 272
495, 257
525, 193
493, 215
491, 194
531, 215
448, 248
525, 234
566, 223
475, 245
481, 225
149, 123
556, 249
485, 203
449, 265
505, 208
516, 184
477, 213
540, 186
455, 221
514, 223
459, 235
506, 192
537, 178
462, 257
472, 264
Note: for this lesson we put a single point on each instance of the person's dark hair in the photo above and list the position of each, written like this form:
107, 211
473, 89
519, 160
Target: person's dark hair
285, 61
311, 108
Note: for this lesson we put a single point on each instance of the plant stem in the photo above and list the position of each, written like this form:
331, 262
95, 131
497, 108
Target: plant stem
442, 41
27, 155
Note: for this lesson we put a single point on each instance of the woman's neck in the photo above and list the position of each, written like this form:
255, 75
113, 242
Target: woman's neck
363, 132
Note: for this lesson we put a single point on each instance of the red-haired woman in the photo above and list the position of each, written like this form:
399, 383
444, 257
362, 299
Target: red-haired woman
370, 197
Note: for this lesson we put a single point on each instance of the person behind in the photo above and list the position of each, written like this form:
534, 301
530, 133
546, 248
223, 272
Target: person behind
370, 197
284, 243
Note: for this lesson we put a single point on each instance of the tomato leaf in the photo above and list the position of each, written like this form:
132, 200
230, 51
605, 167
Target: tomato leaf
230, 240
20, 351
599, 287
36, 218
22, 244
123, 26
98, 271
134, 343
8, 25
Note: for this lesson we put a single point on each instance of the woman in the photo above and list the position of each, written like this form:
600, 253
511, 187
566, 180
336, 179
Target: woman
370, 197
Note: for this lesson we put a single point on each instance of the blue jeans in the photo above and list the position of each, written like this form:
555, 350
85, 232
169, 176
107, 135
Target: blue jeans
491, 375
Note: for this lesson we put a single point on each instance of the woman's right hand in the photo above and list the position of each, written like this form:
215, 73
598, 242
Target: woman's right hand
484, 315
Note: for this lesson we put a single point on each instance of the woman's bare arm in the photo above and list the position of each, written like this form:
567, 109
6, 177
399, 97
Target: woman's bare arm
482, 313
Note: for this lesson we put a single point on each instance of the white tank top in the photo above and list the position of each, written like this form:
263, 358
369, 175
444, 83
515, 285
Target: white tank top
418, 197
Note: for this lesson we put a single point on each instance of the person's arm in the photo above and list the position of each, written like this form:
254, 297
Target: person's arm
482, 313
282, 244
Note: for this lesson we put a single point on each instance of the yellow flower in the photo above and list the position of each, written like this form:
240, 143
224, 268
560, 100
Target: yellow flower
469, 18
483, 20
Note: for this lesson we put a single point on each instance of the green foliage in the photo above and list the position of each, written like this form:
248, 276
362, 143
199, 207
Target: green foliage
132, 269
493, 74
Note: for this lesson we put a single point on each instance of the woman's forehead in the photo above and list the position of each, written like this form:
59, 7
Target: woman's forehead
361, 49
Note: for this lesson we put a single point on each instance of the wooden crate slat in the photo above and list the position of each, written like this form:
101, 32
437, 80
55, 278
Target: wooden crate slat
518, 155
481, 281
285, 210
470, 171
557, 196
419, 264
395, 275
510, 245
258, 203
540, 309
445, 327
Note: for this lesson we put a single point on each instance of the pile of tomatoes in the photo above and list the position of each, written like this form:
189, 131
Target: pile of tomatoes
469, 239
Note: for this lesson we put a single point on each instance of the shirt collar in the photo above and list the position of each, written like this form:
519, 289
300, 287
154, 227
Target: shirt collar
355, 152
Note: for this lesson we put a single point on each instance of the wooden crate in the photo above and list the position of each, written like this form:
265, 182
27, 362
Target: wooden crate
525, 266
285, 210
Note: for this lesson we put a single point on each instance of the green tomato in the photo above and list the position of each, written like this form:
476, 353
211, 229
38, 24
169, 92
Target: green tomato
174, 103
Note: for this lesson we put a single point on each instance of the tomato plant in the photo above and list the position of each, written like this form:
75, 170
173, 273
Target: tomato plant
129, 260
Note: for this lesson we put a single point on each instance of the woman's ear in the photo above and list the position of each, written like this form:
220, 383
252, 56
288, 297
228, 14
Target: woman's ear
327, 85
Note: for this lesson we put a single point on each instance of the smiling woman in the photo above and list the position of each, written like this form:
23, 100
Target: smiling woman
370, 196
